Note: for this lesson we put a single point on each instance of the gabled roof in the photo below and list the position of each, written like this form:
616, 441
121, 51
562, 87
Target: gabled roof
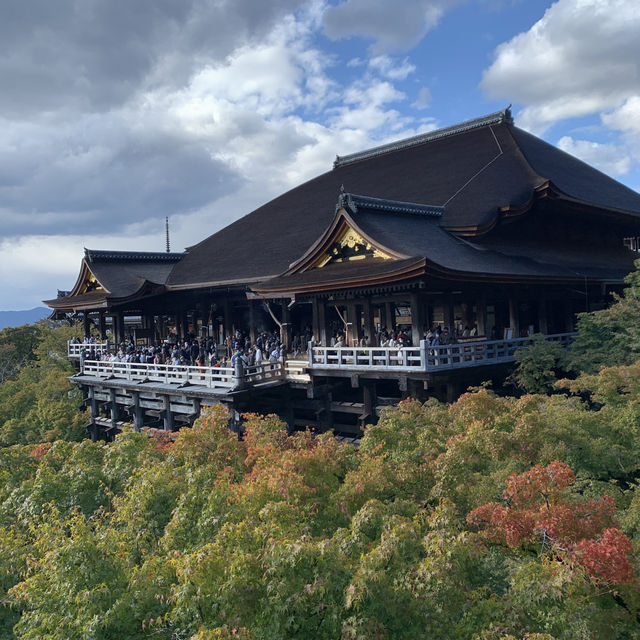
109, 277
403, 243
472, 174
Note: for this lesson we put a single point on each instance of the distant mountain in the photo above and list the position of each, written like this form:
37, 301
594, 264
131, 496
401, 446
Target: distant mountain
18, 318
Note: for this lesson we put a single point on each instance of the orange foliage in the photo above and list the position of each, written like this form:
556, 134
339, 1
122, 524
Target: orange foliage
538, 508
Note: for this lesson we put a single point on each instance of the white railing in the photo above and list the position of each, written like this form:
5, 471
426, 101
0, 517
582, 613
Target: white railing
226, 378
425, 357
212, 377
92, 349
369, 358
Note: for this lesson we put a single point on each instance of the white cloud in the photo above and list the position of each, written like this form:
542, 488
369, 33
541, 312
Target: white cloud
580, 58
391, 69
625, 118
609, 158
424, 98
393, 26
222, 134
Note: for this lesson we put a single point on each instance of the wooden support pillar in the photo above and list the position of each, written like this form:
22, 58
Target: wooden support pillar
195, 320
449, 319
138, 412
168, 416
369, 402
114, 408
369, 328
514, 317
315, 320
86, 322
93, 403
252, 322
93, 411
390, 315
228, 326
351, 316
417, 318
481, 315
322, 323
569, 316
119, 327
102, 325
543, 326
285, 329
467, 315
403, 387
184, 324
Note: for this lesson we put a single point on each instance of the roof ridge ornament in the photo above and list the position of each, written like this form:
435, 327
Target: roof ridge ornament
499, 117
98, 255
354, 203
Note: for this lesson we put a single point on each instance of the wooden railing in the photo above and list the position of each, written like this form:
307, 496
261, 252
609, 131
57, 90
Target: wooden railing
223, 378
425, 357
86, 350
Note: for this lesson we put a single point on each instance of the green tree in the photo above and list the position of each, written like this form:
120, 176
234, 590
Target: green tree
610, 336
539, 365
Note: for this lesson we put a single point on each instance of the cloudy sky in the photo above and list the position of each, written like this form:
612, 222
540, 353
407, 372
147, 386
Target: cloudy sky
115, 114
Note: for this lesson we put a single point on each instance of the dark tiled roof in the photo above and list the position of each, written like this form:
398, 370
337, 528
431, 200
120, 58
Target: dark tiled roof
91, 299
122, 274
354, 203
465, 173
340, 272
573, 177
93, 255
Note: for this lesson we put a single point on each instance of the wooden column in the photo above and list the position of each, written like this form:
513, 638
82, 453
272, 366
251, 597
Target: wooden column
168, 416
285, 332
352, 324
162, 327
481, 315
369, 328
543, 326
390, 316
514, 317
102, 325
569, 317
417, 318
119, 327
228, 326
369, 402
114, 408
138, 412
315, 320
184, 323
322, 322
449, 320
94, 430
252, 322
86, 323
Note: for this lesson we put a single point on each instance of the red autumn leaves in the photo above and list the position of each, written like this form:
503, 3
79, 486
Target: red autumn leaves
539, 509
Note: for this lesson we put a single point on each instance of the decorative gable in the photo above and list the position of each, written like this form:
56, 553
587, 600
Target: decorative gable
348, 245
90, 284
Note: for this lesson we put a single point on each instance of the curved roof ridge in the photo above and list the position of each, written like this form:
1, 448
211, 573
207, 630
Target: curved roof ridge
353, 202
99, 255
493, 118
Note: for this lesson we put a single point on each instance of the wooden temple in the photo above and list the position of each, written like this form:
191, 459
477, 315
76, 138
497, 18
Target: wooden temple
480, 231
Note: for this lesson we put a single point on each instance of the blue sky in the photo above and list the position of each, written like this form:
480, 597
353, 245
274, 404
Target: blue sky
115, 114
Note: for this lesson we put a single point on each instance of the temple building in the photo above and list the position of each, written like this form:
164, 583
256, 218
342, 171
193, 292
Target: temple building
480, 233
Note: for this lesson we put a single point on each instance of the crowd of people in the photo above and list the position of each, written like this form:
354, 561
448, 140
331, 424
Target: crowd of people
203, 352
267, 347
